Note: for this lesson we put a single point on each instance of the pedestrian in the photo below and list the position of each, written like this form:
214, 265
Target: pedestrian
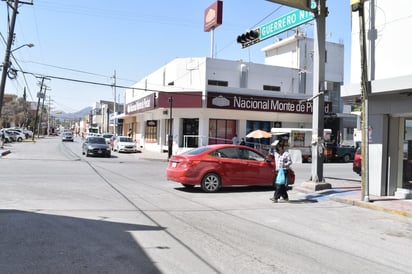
242, 142
3, 138
235, 140
130, 133
283, 162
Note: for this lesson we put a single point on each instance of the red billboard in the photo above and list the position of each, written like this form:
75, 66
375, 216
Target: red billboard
213, 16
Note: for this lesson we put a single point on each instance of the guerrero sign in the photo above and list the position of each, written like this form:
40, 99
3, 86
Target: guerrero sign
258, 103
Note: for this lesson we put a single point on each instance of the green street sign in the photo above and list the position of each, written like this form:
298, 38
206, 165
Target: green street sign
284, 23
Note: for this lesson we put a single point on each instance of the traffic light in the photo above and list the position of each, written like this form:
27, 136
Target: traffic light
356, 4
249, 38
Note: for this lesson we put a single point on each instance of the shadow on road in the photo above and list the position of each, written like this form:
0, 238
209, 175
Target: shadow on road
44, 243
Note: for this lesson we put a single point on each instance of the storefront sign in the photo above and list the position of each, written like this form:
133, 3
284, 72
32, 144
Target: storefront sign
213, 16
258, 103
151, 123
141, 105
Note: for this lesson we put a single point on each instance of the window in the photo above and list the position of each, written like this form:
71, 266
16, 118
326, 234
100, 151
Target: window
271, 88
221, 131
217, 83
151, 133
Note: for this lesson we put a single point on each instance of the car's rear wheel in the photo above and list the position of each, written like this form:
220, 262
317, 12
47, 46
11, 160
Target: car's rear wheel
211, 182
346, 158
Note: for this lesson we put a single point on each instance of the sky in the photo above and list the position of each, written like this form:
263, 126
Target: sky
81, 44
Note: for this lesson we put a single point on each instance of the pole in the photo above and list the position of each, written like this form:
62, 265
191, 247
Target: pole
212, 43
365, 87
318, 96
170, 137
41, 111
37, 109
6, 62
114, 104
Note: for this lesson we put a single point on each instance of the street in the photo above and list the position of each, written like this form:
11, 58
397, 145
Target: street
62, 212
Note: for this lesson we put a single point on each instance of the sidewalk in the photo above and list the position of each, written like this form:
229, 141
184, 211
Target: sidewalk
350, 193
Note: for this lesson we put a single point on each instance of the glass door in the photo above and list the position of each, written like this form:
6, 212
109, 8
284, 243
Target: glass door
407, 155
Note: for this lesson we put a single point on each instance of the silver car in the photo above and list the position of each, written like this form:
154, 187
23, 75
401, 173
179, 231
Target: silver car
67, 136
96, 146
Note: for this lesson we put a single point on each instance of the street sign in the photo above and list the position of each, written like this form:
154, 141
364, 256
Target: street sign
285, 22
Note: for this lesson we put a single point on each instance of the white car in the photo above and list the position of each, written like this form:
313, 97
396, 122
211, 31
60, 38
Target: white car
108, 137
16, 135
124, 144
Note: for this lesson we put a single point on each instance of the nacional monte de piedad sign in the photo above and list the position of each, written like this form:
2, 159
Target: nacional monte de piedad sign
259, 103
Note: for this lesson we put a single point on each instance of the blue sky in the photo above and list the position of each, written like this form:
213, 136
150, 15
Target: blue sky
90, 40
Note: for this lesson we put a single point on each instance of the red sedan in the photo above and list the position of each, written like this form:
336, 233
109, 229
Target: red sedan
216, 166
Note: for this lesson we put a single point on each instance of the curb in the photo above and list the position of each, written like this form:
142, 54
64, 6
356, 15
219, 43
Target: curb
371, 205
5, 152
359, 203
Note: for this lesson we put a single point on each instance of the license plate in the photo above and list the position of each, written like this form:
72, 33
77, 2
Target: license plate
174, 164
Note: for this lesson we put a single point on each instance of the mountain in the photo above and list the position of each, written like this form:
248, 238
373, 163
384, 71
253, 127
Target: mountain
61, 115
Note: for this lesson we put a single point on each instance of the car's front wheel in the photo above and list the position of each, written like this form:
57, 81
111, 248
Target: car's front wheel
211, 182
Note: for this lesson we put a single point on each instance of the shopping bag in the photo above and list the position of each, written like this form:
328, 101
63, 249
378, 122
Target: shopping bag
280, 177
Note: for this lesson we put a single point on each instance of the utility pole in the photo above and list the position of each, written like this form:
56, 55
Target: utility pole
6, 62
39, 94
41, 111
114, 104
359, 5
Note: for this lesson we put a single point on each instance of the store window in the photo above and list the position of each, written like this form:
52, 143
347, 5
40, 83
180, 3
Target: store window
151, 131
221, 131
407, 155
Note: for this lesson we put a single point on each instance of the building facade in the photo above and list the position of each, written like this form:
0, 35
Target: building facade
200, 101
389, 101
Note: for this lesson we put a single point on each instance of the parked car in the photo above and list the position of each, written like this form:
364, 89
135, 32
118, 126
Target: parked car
124, 144
216, 166
108, 137
357, 161
67, 136
96, 146
339, 153
7, 138
16, 135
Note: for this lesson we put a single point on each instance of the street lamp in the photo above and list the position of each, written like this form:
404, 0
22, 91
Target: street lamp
30, 45
5, 67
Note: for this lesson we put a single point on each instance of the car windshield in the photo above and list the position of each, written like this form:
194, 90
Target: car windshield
97, 141
125, 139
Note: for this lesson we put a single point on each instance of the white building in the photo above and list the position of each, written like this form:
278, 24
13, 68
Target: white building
215, 99
390, 101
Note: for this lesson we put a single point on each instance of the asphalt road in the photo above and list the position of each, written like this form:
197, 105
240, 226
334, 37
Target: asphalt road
61, 212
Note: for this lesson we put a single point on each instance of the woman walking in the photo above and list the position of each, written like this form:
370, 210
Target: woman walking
283, 163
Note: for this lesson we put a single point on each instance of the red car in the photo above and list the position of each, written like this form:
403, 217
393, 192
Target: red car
216, 166
357, 161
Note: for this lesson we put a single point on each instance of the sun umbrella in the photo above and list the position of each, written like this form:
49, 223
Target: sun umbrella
258, 134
